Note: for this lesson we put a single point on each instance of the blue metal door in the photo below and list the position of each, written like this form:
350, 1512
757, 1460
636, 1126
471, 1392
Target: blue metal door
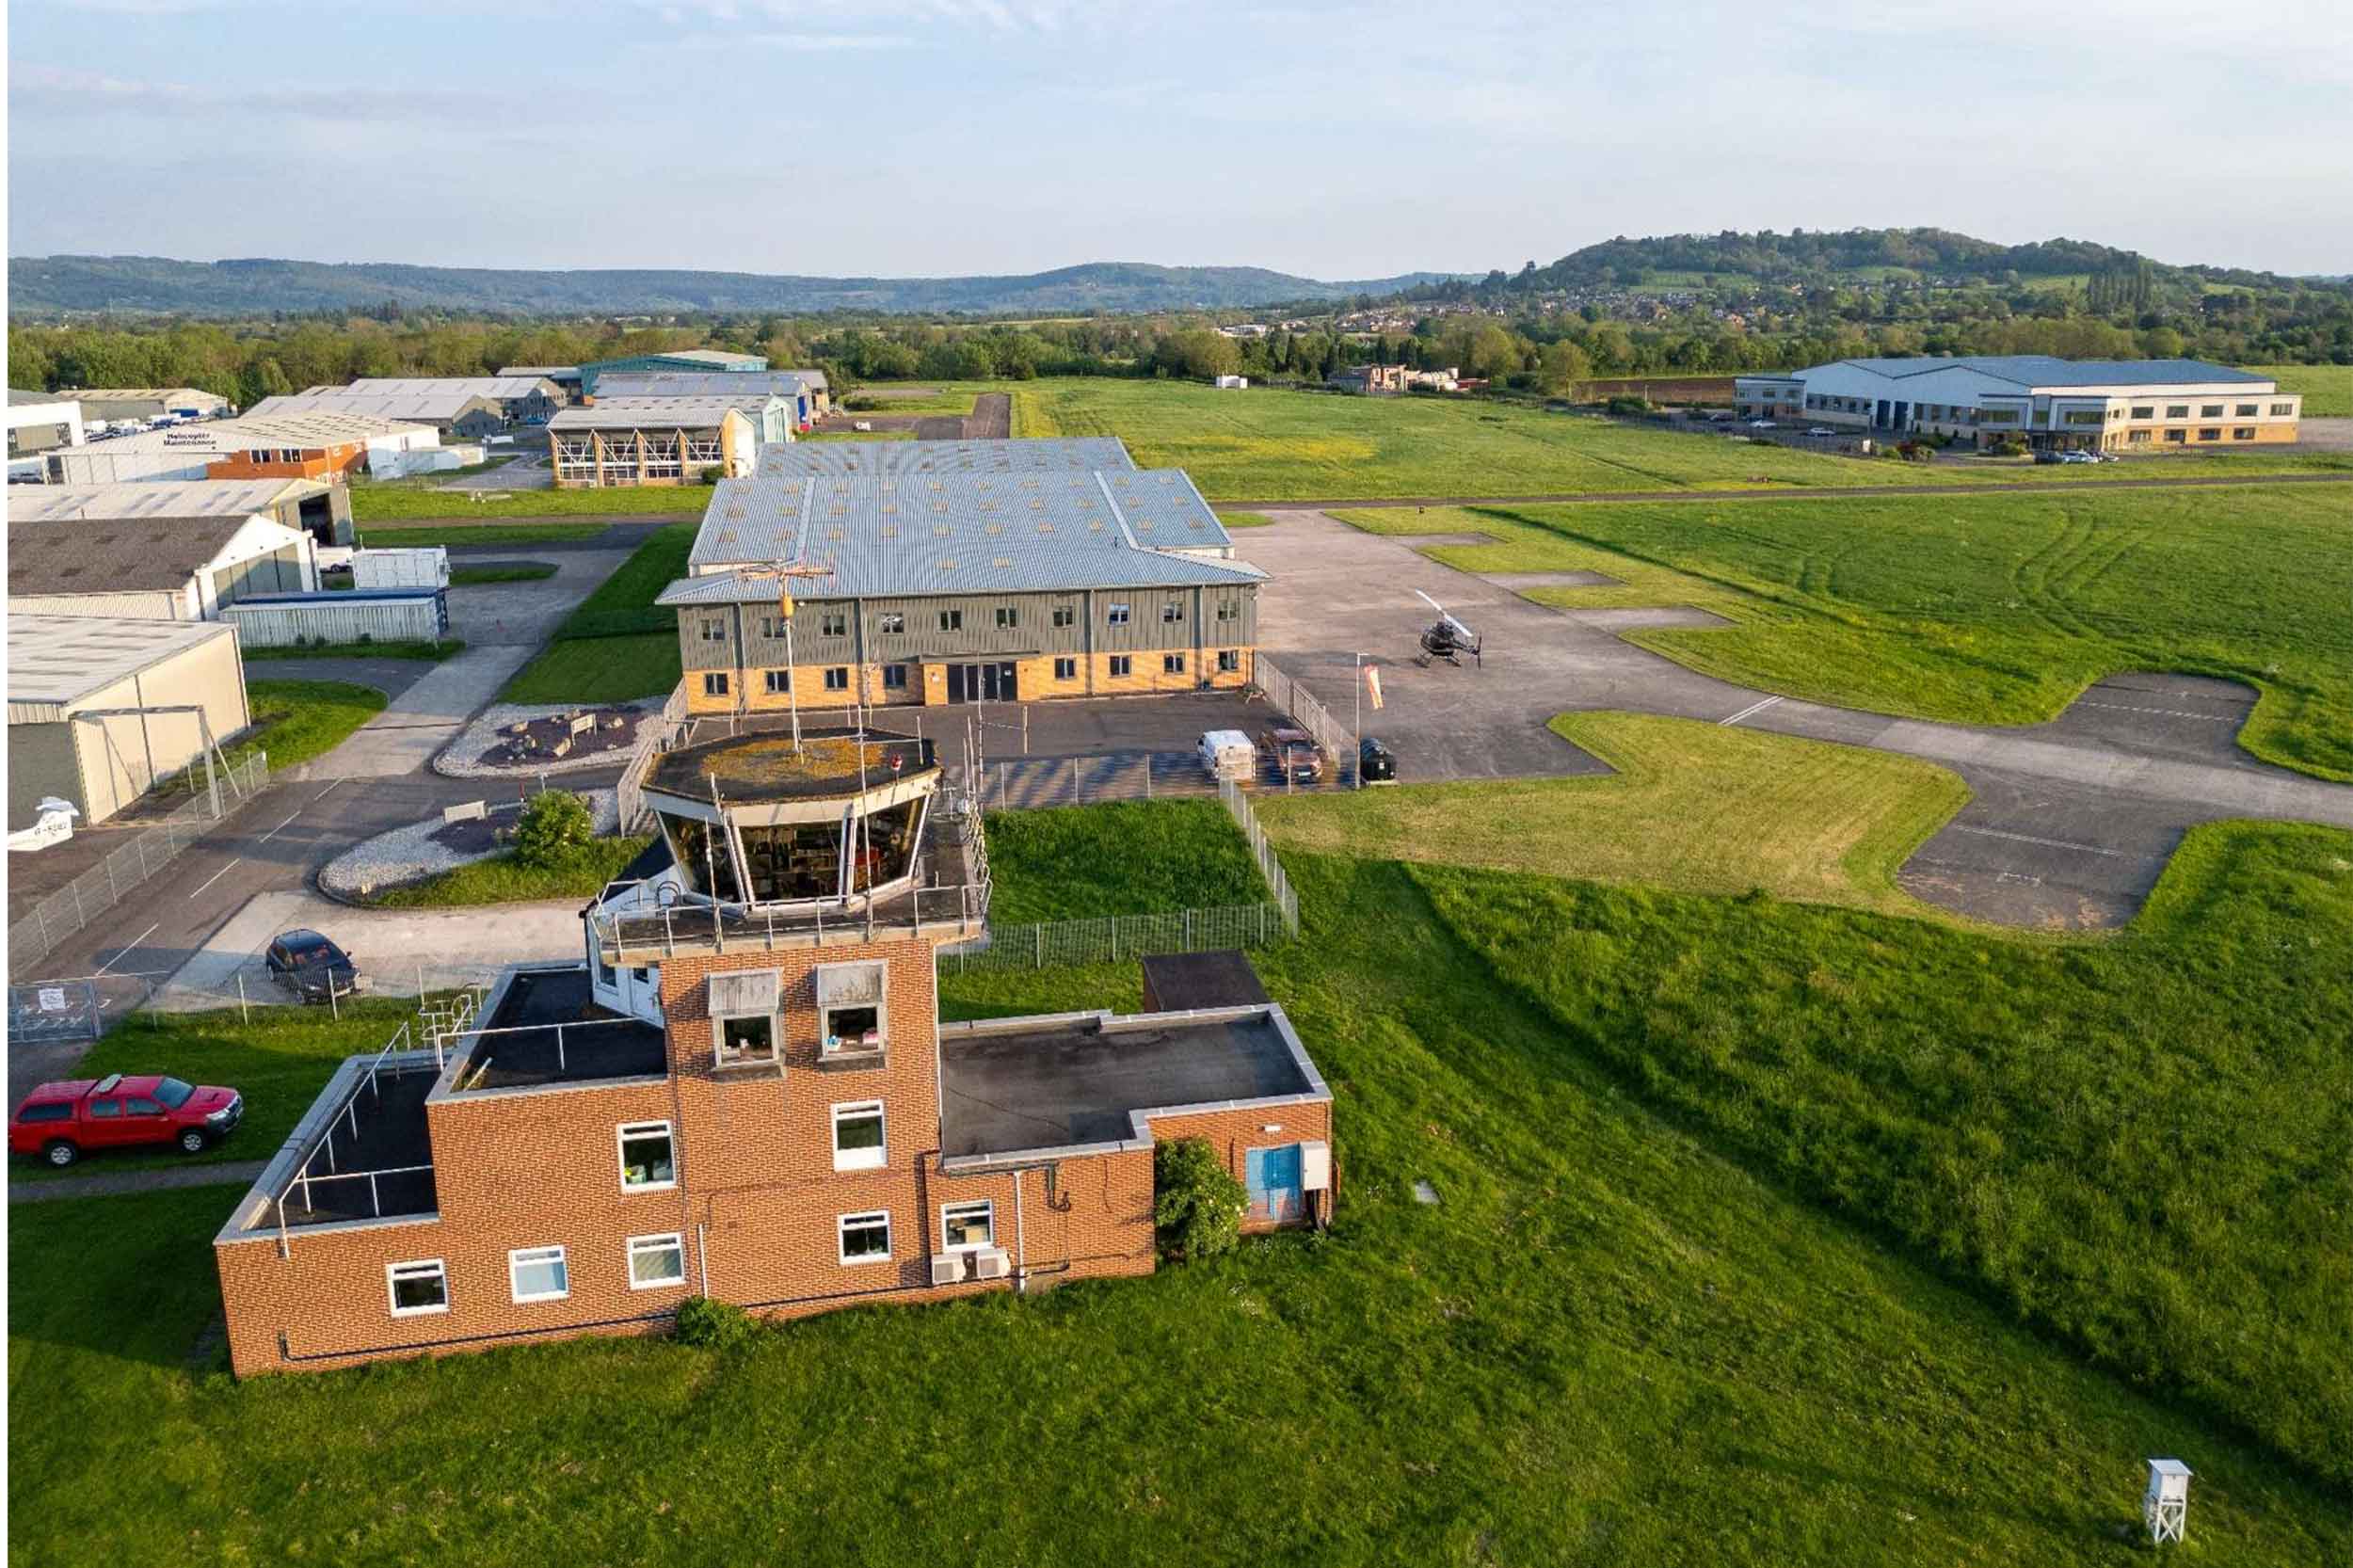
1272, 1177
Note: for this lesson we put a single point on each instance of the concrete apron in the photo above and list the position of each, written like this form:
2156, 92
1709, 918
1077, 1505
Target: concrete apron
404, 738
394, 949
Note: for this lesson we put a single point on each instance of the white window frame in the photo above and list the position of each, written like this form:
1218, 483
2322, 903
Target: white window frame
864, 1220
1116, 616
671, 1241
946, 1245
537, 1255
620, 1146
417, 1269
861, 1160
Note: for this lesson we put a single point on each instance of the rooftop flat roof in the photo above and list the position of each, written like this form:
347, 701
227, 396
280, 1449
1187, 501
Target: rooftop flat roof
659, 413
1024, 1086
517, 1047
2046, 370
162, 498
766, 767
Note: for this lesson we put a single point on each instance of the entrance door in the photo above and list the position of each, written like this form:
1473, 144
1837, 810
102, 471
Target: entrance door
1878, 417
1272, 1177
959, 682
982, 683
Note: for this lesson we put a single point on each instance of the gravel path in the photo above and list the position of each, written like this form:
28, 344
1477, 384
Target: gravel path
409, 855
458, 760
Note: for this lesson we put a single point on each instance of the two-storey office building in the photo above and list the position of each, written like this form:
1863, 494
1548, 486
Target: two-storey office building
936, 588
2114, 406
744, 1092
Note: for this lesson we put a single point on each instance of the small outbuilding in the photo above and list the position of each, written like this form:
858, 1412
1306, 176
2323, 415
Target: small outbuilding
100, 710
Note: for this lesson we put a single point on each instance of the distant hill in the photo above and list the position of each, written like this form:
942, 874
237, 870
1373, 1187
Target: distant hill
49, 286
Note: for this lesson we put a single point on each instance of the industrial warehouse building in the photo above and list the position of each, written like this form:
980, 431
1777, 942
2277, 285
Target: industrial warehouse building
39, 421
806, 389
151, 567
463, 415
956, 588
908, 460
674, 360
662, 440
312, 445
313, 507
518, 398
2113, 406
565, 377
60, 669
147, 401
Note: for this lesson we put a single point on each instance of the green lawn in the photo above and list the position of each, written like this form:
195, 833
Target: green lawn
1607, 1344
390, 502
616, 646
466, 534
1129, 857
1808, 820
430, 652
1276, 444
1244, 519
2328, 388
298, 720
1993, 610
2140, 1146
940, 397
280, 1061
517, 571
500, 880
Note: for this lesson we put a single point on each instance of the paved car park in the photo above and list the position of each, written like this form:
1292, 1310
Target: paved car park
2072, 820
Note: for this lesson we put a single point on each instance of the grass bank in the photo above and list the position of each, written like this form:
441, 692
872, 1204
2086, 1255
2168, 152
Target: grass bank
617, 646
502, 880
297, 720
2328, 388
461, 533
391, 502
425, 652
1607, 1343
1125, 857
1988, 610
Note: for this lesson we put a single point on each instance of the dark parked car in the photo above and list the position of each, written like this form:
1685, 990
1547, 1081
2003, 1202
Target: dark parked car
61, 1121
312, 968
1375, 763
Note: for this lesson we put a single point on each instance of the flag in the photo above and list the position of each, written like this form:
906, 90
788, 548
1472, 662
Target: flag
1372, 685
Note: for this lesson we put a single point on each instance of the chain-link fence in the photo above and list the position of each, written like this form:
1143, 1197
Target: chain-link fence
72, 1012
145, 853
1033, 783
1118, 938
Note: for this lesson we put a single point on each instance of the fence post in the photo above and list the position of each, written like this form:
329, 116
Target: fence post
245, 1012
1040, 930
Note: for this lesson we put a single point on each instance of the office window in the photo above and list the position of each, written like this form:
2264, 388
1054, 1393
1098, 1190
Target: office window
2209, 410
1121, 665
1172, 612
2283, 410
772, 626
834, 623
538, 1274
2243, 433
2177, 437
951, 620
890, 623
1008, 617
656, 1261
417, 1289
2209, 434
1065, 669
1066, 614
715, 629
851, 1011
865, 1237
966, 1226
837, 678
1116, 615
649, 1160
2177, 410
1172, 664
714, 684
858, 1137
2245, 410
1229, 609
742, 1007
1228, 660
779, 681
2140, 436
894, 678
2144, 410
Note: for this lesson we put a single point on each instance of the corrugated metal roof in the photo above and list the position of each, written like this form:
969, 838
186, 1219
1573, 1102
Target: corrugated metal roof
114, 554
705, 383
306, 429
896, 459
551, 372
434, 406
2045, 370
958, 534
656, 413
61, 659
175, 497
494, 387
196, 396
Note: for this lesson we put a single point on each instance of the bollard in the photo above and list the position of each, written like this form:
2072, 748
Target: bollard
245, 1013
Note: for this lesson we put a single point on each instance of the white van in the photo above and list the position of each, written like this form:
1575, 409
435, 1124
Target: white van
1228, 754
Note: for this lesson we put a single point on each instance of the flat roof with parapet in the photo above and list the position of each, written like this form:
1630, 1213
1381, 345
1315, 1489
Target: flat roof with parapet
769, 766
544, 1026
1027, 1087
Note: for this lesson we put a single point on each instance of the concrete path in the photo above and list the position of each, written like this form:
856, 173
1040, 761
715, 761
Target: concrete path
2073, 818
425, 718
396, 948
526, 614
109, 1184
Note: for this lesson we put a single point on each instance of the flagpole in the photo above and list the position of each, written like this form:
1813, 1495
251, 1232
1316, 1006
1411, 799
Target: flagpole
1359, 692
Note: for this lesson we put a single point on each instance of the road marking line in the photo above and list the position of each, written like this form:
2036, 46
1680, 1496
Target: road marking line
2052, 843
1751, 708
324, 794
2168, 713
125, 952
216, 876
274, 832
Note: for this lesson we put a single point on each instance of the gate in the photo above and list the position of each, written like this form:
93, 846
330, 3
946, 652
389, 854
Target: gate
55, 1013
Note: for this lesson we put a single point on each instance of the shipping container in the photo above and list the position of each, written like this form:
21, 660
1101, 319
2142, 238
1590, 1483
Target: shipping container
380, 615
423, 568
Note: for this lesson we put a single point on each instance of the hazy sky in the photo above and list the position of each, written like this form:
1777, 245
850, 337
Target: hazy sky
928, 136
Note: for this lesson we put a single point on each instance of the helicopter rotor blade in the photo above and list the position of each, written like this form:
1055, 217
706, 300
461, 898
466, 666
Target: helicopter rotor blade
1432, 602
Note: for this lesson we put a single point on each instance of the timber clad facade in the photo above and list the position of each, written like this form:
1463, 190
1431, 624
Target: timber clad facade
798, 1132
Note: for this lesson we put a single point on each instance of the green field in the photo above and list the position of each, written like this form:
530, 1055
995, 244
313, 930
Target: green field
1244, 519
428, 652
616, 646
500, 880
1607, 1343
298, 720
1991, 610
1281, 445
1810, 821
391, 502
2328, 388
1123, 858
463, 533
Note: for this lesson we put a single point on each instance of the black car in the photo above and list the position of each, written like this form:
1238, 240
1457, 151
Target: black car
1375, 763
312, 968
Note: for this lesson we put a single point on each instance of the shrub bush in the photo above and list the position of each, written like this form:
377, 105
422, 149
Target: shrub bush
714, 1325
1197, 1204
1628, 404
554, 831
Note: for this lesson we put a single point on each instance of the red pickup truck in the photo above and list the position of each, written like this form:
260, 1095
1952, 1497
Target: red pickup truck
59, 1122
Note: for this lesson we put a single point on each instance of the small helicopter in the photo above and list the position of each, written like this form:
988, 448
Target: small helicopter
1446, 638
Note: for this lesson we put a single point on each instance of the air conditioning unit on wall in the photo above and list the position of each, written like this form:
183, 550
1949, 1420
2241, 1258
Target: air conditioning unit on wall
991, 1263
947, 1268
